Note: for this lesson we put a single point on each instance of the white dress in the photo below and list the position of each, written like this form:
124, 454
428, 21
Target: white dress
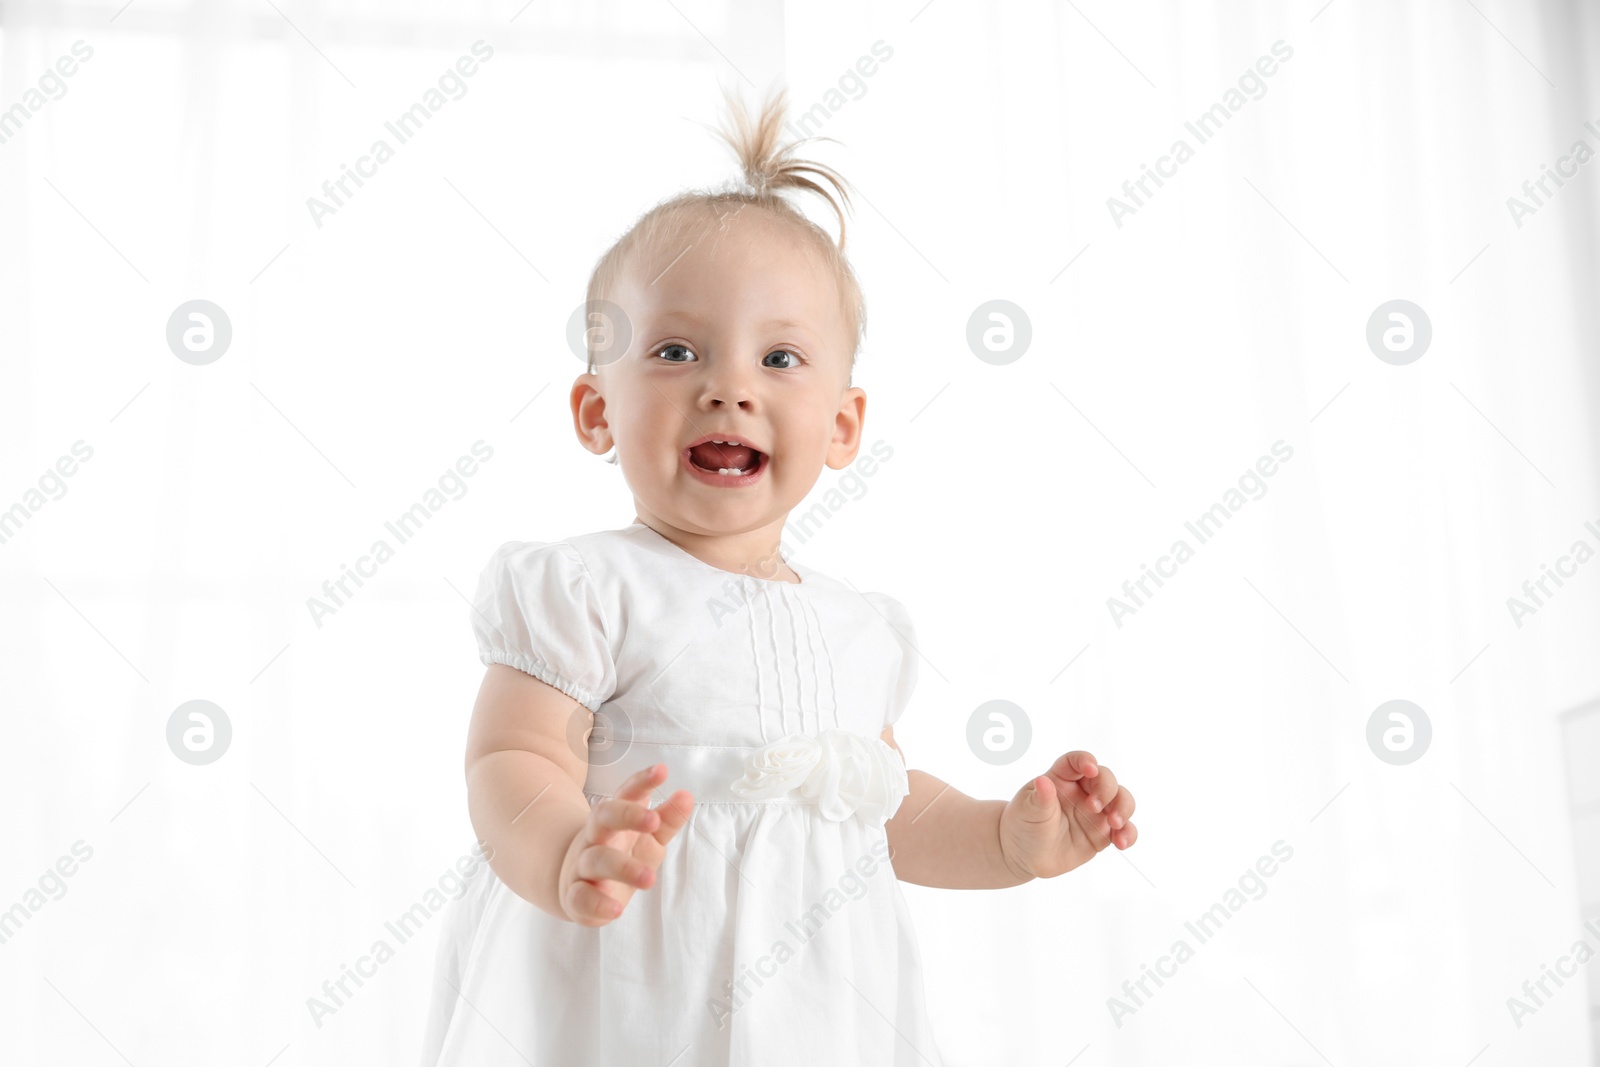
776, 932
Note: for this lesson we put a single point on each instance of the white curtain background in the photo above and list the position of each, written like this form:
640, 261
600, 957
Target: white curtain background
1227, 313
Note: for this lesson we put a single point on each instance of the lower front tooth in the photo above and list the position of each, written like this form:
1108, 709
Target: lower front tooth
729, 470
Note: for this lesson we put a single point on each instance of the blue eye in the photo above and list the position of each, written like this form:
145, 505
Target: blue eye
668, 348
794, 360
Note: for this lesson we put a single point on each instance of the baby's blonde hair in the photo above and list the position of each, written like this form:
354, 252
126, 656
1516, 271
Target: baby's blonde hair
769, 170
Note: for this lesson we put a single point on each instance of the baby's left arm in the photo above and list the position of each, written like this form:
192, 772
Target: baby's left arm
1060, 820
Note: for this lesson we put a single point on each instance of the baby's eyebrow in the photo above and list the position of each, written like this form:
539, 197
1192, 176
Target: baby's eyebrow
686, 316
695, 320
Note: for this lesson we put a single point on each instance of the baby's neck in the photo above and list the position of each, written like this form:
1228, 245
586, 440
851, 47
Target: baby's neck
757, 553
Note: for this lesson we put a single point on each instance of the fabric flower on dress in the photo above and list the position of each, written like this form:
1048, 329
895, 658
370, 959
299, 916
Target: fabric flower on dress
844, 773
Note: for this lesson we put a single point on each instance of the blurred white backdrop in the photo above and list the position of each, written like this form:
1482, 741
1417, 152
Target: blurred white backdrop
1172, 345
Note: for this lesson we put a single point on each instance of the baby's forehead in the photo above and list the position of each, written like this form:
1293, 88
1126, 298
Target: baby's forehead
693, 273
726, 235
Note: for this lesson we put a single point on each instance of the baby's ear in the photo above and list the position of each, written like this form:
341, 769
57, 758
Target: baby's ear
847, 428
588, 415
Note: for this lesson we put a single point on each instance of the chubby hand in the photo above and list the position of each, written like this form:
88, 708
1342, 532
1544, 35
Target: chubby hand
1064, 817
619, 848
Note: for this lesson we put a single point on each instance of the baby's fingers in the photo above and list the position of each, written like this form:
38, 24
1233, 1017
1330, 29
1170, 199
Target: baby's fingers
640, 784
613, 815
1075, 765
588, 906
601, 862
674, 813
1101, 789
1120, 810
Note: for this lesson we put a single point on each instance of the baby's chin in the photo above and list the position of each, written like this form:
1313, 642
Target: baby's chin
708, 512
718, 526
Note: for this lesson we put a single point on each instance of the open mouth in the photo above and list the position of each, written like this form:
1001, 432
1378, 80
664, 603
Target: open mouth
724, 460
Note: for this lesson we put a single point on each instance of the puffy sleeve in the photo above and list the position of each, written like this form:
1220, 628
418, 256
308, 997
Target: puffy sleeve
905, 635
536, 609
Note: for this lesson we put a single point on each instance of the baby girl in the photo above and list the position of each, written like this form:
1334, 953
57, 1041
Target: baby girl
754, 915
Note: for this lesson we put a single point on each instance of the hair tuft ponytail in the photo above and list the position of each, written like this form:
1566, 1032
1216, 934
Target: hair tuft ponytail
770, 167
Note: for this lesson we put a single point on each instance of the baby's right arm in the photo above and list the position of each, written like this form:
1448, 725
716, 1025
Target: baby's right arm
525, 780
